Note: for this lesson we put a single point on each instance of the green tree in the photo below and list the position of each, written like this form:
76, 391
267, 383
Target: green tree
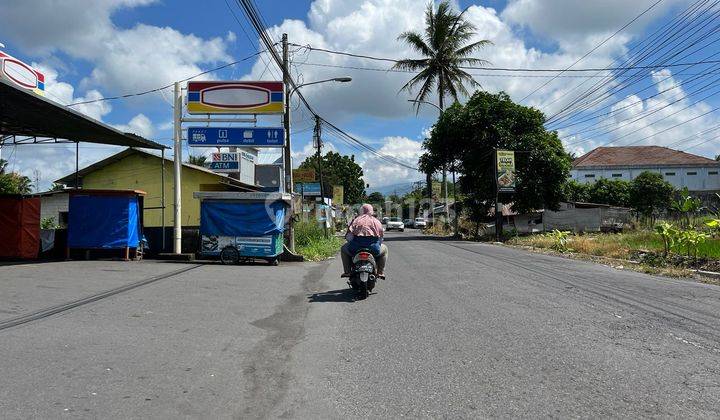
14, 183
376, 198
493, 121
650, 194
198, 160
615, 192
445, 47
339, 170
576, 191
3, 165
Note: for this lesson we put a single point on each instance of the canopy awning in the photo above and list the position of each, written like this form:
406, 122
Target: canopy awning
26, 114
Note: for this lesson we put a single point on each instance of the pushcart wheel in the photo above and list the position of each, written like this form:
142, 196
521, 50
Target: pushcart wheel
273, 261
229, 255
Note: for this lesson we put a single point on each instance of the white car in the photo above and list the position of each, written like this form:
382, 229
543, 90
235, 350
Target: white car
395, 223
420, 223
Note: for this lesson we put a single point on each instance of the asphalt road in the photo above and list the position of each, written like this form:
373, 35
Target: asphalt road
459, 330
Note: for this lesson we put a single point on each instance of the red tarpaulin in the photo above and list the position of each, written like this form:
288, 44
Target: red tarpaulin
19, 227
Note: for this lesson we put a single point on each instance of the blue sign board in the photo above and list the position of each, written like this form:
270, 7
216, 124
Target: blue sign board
224, 166
308, 188
236, 136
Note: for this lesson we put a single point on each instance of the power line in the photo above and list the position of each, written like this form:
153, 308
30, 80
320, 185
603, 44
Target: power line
519, 69
593, 49
129, 95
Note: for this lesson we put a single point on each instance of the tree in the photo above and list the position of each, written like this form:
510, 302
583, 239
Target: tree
576, 191
493, 121
650, 194
614, 192
3, 165
197, 160
14, 183
339, 170
376, 198
445, 47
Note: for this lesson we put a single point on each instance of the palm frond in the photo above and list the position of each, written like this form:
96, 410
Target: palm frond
470, 48
411, 64
416, 42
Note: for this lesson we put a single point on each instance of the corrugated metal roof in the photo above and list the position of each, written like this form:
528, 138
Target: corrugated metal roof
639, 156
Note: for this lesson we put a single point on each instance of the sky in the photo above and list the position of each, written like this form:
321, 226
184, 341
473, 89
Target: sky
102, 48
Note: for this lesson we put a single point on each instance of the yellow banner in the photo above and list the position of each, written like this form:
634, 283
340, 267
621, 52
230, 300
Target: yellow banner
303, 175
338, 195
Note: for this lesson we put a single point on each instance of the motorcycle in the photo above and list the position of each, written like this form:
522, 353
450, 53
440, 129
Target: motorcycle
363, 274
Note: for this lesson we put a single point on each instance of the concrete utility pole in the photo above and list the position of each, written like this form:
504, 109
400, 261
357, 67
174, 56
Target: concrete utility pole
318, 144
287, 157
177, 156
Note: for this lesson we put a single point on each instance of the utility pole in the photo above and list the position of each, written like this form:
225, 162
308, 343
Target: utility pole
287, 157
177, 156
498, 206
318, 144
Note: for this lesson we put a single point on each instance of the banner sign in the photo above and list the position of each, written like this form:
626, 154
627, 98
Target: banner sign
309, 189
21, 74
224, 157
304, 175
505, 170
227, 166
231, 97
338, 195
236, 136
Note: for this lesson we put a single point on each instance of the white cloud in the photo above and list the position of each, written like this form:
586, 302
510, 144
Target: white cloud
378, 172
64, 93
125, 60
139, 124
299, 156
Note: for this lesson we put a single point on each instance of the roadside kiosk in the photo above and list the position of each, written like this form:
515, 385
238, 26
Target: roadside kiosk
241, 226
105, 220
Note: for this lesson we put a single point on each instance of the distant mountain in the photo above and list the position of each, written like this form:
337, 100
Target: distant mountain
399, 189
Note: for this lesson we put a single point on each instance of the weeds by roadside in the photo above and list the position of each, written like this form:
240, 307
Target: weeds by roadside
310, 242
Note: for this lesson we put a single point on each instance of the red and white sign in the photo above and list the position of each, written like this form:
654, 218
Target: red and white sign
21, 74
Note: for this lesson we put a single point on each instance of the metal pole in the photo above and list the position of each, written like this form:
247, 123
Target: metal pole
162, 196
177, 156
498, 207
287, 158
318, 144
456, 224
77, 164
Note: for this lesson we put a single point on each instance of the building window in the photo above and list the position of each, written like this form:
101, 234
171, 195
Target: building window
713, 173
589, 175
692, 173
63, 215
669, 173
617, 175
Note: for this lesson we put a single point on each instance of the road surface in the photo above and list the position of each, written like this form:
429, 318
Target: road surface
459, 330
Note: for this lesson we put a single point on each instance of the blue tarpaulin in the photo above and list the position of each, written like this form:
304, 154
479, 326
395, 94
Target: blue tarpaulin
233, 218
103, 221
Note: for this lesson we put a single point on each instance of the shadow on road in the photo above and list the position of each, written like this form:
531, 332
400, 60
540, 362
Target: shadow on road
339, 295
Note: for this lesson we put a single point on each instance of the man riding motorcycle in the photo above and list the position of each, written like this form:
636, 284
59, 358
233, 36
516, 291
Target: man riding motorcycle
364, 232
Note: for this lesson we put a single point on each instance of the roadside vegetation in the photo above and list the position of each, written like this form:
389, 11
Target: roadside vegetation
310, 242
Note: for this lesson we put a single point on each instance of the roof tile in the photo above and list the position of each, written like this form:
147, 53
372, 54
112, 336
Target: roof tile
639, 156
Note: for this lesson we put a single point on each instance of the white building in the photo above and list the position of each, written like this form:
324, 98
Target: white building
697, 173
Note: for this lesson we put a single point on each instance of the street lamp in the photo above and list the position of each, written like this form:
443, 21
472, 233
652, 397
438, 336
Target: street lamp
447, 207
287, 149
334, 79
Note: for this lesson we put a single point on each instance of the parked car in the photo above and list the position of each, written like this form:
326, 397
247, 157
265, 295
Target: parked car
395, 223
408, 223
420, 223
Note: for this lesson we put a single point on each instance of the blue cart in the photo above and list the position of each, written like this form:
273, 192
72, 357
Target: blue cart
237, 226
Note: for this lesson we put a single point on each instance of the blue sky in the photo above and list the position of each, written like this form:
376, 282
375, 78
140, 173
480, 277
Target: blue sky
103, 48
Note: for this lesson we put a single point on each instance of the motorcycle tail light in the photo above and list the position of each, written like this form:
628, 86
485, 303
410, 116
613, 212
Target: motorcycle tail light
364, 256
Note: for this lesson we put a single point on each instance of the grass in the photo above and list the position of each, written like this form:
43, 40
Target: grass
615, 245
310, 242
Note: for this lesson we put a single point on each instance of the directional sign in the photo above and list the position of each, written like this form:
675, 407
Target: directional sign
224, 157
232, 97
308, 188
225, 166
236, 136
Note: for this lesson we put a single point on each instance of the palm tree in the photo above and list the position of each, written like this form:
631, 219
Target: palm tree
445, 51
